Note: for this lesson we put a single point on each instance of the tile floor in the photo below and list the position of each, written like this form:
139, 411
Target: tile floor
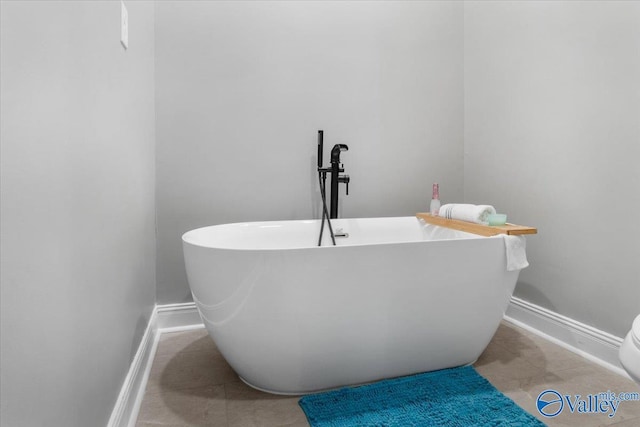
191, 384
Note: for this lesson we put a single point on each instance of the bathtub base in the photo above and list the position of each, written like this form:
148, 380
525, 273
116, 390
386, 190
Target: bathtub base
280, 393
302, 393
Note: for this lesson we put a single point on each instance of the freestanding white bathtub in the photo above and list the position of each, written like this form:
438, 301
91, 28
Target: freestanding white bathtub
396, 297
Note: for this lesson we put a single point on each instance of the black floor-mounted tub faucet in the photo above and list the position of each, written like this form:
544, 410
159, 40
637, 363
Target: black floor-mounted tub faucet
335, 170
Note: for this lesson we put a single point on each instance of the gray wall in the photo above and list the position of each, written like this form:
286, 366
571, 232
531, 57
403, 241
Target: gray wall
242, 87
552, 137
77, 244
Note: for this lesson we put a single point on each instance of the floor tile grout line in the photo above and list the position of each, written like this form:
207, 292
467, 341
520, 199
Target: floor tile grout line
586, 362
519, 356
226, 404
626, 421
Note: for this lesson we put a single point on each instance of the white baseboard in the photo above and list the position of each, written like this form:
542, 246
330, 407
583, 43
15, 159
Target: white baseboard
593, 344
130, 397
178, 317
165, 318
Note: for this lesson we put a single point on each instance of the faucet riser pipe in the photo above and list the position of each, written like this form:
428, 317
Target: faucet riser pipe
335, 171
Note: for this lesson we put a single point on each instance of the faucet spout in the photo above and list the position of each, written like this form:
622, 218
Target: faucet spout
336, 150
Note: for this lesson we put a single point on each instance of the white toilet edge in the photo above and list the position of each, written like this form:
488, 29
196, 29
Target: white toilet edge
635, 332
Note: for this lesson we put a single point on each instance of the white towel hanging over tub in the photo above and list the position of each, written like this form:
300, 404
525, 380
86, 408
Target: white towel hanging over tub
516, 248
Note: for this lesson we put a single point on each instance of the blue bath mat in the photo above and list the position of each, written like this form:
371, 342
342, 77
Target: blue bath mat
450, 397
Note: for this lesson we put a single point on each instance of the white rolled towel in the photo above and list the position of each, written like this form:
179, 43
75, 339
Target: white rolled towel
471, 213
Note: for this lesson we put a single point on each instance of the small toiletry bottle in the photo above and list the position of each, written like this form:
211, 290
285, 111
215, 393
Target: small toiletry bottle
435, 200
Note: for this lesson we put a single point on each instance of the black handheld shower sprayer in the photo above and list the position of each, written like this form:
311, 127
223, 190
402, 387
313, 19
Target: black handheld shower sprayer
322, 180
320, 148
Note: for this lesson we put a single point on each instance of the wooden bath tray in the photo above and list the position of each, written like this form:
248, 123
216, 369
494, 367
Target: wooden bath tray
471, 227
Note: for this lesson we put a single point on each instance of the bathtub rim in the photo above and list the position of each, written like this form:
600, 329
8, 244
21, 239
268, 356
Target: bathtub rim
465, 235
